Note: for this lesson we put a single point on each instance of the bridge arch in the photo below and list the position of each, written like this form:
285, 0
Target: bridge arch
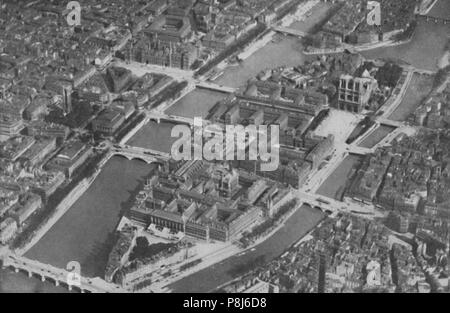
133, 157
56, 275
123, 155
136, 158
53, 280
155, 120
159, 163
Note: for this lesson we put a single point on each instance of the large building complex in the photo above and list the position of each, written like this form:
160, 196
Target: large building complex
220, 208
355, 92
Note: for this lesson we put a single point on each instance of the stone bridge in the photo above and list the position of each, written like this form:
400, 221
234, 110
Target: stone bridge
437, 20
58, 276
290, 31
146, 155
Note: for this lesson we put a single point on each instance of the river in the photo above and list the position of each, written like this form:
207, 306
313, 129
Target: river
11, 282
287, 52
423, 51
282, 51
427, 45
83, 234
376, 136
154, 136
301, 222
418, 89
333, 186
197, 103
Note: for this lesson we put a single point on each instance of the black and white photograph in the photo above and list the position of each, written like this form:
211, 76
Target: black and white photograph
224, 152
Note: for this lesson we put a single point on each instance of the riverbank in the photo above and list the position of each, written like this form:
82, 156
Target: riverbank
423, 50
63, 207
299, 16
264, 40
418, 88
11, 282
259, 41
86, 232
357, 48
197, 103
296, 227
376, 136
428, 8
308, 236
245, 40
445, 60
334, 185
220, 255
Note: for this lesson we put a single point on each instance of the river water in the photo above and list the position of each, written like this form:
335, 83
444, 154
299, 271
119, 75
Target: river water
20, 283
154, 136
303, 220
287, 52
83, 234
197, 103
427, 45
423, 51
376, 136
333, 186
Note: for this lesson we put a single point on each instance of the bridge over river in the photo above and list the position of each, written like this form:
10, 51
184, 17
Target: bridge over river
59, 276
435, 19
289, 31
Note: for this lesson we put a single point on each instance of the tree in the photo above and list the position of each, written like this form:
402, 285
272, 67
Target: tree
389, 74
140, 249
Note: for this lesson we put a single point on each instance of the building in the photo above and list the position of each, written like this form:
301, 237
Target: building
243, 221
197, 230
228, 225
10, 126
158, 7
219, 38
8, 198
8, 229
231, 117
108, 122
181, 8
46, 184
63, 88
209, 211
274, 199
320, 151
172, 215
226, 181
127, 108
255, 191
355, 93
27, 205
42, 129
257, 118
39, 150
398, 222
37, 108
203, 14
170, 29
175, 55
67, 91
259, 286
14, 148
70, 158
